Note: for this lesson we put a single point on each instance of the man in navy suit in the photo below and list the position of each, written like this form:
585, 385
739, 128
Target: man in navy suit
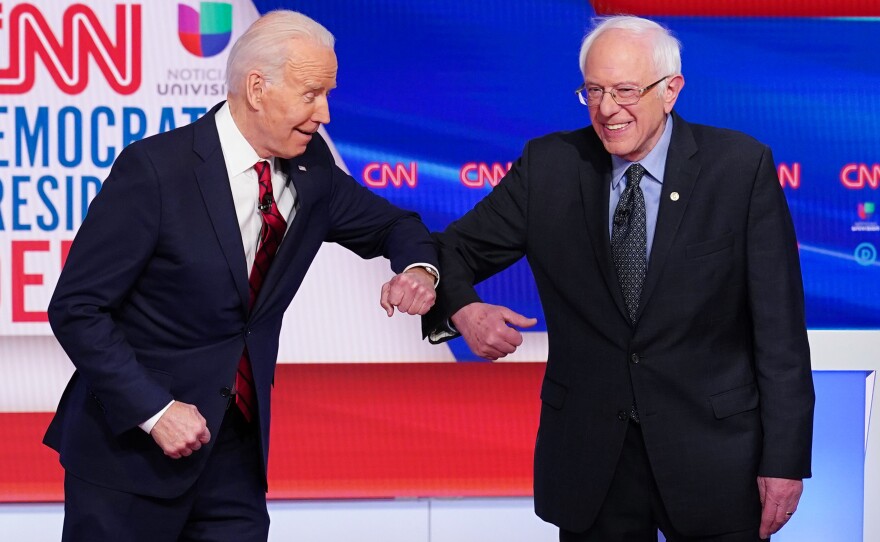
171, 300
678, 393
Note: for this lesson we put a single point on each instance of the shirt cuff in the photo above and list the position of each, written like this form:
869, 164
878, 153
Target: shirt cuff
429, 268
147, 426
443, 332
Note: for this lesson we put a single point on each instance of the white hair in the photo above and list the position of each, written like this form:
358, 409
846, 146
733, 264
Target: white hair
265, 46
667, 49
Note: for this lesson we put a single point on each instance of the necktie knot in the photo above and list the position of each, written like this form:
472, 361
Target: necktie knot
264, 177
264, 171
634, 174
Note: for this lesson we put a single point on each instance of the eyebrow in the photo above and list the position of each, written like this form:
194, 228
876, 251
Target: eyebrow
311, 85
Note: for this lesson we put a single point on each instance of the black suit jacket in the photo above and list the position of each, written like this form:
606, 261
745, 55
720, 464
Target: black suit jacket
152, 303
718, 361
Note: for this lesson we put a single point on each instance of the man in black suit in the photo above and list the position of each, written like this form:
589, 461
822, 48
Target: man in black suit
678, 393
171, 300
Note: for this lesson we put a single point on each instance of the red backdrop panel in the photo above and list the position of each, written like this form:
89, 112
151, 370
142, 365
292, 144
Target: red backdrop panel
359, 431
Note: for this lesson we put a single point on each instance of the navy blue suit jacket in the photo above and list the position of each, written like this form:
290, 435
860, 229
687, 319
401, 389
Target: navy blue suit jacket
718, 362
152, 304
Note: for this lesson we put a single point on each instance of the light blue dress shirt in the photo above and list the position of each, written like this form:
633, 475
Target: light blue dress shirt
651, 185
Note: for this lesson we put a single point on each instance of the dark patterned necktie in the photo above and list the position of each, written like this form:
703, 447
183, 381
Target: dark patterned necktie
629, 240
271, 233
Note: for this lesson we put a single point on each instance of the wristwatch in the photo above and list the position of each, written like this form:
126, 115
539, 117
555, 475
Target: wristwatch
434, 273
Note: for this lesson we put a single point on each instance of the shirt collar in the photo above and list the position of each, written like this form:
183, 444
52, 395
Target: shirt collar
654, 163
237, 152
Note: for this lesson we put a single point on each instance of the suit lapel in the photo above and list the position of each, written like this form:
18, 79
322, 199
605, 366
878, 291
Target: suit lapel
595, 189
217, 195
682, 169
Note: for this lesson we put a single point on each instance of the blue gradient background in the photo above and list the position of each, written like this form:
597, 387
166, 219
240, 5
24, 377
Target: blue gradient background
443, 83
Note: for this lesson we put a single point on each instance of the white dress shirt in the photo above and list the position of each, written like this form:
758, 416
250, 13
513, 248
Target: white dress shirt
240, 158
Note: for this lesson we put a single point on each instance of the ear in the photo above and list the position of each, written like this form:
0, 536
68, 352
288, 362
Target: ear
673, 87
255, 87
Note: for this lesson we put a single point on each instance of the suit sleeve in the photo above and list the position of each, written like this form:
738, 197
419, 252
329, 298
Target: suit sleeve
371, 226
108, 254
486, 240
781, 350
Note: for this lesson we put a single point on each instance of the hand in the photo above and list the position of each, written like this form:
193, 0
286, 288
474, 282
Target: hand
181, 430
487, 329
779, 499
411, 292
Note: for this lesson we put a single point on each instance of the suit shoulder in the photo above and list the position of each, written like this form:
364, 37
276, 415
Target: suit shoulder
182, 137
724, 138
564, 142
566, 137
161, 144
163, 157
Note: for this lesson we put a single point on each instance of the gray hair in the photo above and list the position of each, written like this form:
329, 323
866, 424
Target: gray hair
667, 49
264, 45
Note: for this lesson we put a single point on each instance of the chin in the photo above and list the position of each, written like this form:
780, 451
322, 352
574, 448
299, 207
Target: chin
291, 152
616, 148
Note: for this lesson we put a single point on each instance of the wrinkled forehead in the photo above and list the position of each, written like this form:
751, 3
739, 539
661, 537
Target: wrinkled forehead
312, 60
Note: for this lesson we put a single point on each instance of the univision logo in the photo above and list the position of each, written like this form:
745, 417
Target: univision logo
866, 213
208, 33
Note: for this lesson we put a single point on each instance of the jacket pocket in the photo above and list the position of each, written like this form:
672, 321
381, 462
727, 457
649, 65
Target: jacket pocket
735, 401
553, 393
704, 248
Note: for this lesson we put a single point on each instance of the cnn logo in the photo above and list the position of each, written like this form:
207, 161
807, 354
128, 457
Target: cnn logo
67, 59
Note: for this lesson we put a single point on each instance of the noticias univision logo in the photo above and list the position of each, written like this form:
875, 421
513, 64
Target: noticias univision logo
208, 33
866, 213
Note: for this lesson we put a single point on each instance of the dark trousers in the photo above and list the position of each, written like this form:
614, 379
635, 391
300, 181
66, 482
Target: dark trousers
633, 510
226, 504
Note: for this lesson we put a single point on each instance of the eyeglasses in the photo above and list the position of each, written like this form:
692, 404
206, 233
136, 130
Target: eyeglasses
592, 95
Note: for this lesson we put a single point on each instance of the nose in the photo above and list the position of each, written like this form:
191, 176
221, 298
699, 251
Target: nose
321, 114
607, 105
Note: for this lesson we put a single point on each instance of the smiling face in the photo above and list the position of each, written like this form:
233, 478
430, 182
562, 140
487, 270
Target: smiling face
617, 58
285, 112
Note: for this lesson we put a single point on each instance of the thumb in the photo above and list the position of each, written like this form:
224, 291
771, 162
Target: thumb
517, 320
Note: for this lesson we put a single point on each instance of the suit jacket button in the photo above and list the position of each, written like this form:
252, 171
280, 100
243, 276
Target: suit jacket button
634, 358
622, 416
226, 392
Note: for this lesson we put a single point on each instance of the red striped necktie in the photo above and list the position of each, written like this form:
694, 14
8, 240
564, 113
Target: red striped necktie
271, 233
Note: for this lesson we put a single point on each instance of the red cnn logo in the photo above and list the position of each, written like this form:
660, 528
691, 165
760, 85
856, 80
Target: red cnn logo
856, 176
479, 174
67, 61
381, 174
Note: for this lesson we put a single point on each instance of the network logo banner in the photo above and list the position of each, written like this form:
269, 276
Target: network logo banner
80, 81
65, 50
